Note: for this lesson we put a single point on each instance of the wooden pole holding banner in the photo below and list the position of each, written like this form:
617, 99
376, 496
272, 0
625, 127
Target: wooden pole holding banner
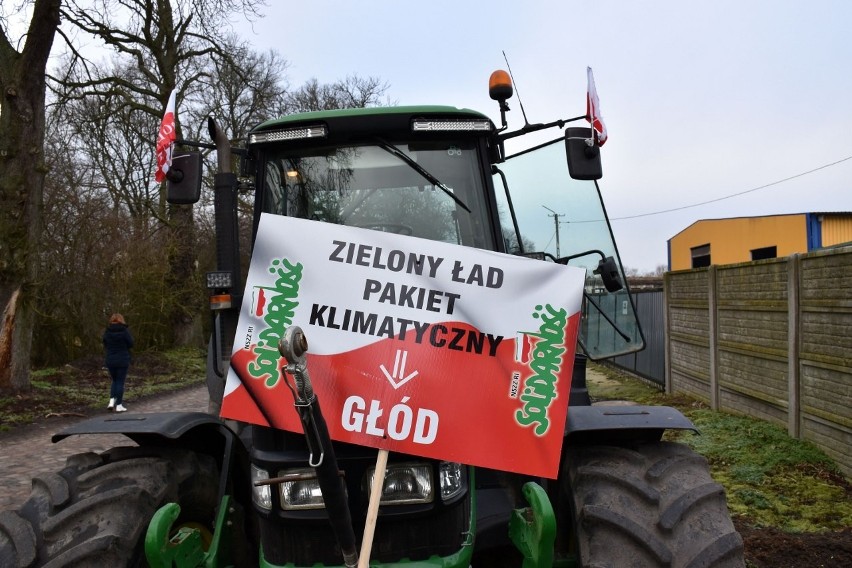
373, 508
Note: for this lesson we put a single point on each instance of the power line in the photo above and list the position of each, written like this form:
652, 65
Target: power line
733, 194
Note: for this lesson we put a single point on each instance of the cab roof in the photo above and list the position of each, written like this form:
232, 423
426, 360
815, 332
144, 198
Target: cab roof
366, 113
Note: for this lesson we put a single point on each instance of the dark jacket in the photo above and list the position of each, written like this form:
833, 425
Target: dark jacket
117, 343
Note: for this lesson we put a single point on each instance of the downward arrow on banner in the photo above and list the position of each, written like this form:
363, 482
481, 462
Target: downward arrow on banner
398, 378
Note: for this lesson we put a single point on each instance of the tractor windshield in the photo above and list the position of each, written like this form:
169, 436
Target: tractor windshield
386, 188
565, 218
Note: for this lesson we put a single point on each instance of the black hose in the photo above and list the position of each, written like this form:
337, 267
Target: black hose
331, 484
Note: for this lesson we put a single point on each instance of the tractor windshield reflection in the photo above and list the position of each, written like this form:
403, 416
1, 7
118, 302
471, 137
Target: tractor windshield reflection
371, 187
564, 217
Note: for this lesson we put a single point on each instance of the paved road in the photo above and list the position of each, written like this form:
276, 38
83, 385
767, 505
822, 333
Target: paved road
28, 451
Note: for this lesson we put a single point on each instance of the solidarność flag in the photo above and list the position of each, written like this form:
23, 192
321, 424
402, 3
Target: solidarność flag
593, 109
165, 141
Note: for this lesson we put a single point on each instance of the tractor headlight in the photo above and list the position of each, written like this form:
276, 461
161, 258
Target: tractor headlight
301, 490
453, 480
405, 483
220, 279
450, 125
315, 131
260, 494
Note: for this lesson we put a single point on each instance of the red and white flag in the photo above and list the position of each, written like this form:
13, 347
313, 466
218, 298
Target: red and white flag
165, 141
593, 109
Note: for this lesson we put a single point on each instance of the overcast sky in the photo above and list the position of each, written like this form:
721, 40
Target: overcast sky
702, 99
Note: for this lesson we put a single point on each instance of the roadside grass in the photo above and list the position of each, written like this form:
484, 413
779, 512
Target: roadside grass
82, 386
771, 479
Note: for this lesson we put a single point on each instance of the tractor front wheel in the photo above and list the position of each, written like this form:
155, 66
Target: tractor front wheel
95, 512
651, 504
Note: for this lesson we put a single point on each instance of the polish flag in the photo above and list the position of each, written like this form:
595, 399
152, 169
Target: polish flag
593, 109
523, 347
259, 297
165, 141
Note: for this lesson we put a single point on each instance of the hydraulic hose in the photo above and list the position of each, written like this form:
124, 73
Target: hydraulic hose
293, 346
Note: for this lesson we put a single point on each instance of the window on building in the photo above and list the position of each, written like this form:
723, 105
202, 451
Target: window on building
763, 253
700, 256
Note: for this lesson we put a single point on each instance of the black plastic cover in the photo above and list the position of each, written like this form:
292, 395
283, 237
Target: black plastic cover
184, 177
584, 160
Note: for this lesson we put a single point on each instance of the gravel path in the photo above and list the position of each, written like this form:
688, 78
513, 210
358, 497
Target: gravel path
28, 451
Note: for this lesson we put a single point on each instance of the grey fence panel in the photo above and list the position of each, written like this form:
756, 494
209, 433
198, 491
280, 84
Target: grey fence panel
771, 339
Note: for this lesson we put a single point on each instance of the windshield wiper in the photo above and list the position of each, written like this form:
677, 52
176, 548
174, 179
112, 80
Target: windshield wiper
390, 149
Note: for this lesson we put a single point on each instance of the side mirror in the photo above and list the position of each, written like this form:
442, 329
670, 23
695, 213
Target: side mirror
184, 187
608, 271
584, 158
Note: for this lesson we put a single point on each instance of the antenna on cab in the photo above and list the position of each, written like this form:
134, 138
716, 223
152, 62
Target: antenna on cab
509, 67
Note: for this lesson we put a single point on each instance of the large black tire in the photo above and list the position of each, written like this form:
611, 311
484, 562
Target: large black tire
95, 512
649, 505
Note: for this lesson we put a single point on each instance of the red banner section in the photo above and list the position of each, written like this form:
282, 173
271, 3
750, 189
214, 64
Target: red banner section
415, 346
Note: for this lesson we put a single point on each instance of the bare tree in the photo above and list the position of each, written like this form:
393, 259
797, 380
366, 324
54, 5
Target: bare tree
351, 92
106, 143
240, 91
169, 44
22, 171
99, 251
101, 192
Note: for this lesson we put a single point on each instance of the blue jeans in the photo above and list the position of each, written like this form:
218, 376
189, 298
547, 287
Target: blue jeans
118, 375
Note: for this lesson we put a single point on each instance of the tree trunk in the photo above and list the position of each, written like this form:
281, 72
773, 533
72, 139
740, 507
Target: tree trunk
22, 171
184, 279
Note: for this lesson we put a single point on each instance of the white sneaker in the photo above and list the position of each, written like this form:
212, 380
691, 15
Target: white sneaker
111, 403
120, 408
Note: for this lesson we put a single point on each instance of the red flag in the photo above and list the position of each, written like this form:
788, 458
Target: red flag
593, 109
165, 140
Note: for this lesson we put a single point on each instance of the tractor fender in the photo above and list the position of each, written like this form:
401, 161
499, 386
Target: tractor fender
160, 433
623, 422
198, 431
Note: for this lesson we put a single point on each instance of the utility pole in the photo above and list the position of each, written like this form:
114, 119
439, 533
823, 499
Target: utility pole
556, 217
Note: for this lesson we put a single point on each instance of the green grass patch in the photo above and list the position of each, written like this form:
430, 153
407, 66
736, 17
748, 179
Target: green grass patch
83, 386
770, 478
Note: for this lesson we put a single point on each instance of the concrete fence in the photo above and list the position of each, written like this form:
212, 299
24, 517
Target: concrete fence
771, 339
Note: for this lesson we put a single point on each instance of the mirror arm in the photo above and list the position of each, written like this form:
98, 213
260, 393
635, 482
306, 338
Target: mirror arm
527, 128
566, 259
194, 144
208, 146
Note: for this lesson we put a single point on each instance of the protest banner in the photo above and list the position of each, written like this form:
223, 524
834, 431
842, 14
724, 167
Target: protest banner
415, 346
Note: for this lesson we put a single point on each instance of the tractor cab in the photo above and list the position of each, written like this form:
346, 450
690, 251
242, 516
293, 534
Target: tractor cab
441, 173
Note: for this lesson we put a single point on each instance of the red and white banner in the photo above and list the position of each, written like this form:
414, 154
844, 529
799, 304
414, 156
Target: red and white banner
165, 141
414, 346
593, 108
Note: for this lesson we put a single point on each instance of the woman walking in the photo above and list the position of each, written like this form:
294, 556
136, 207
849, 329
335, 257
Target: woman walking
117, 344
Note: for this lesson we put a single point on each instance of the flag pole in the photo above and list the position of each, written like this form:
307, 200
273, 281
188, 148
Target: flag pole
373, 508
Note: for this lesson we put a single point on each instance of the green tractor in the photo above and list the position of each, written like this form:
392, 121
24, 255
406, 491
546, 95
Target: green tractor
197, 490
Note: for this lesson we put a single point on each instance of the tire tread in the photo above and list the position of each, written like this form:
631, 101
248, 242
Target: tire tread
649, 504
95, 511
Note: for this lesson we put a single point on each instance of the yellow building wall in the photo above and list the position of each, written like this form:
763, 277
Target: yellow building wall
732, 240
836, 229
